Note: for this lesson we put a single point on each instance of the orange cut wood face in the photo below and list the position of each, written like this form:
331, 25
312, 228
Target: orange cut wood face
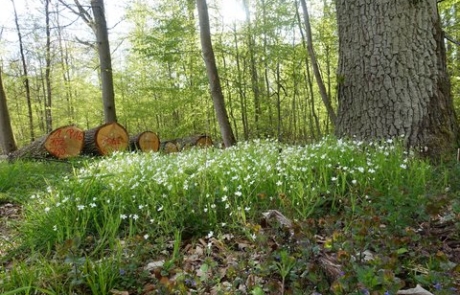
149, 141
111, 138
65, 142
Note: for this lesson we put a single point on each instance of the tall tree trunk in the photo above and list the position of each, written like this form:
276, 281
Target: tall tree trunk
213, 76
322, 88
312, 116
253, 67
230, 101
65, 64
279, 120
48, 100
25, 76
240, 83
266, 67
392, 76
103, 48
7, 142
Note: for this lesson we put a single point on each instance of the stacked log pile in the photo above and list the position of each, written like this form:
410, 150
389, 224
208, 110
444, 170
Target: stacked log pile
71, 141
181, 144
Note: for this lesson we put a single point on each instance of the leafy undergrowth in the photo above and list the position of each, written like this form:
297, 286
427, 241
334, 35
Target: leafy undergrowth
336, 217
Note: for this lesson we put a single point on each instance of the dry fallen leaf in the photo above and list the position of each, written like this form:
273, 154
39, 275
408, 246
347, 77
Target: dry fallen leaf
116, 292
415, 291
154, 265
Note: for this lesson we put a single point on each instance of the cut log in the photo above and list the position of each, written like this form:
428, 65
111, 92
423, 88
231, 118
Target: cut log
106, 139
146, 141
62, 143
201, 141
170, 146
179, 144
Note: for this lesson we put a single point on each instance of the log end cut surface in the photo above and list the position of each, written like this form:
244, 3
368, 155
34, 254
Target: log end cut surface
65, 142
146, 141
204, 141
201, 141
171, 147
110, 138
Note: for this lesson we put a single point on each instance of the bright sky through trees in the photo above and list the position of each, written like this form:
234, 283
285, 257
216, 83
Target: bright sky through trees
230, 11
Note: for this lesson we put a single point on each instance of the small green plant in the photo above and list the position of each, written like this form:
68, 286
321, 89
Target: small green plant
285, 263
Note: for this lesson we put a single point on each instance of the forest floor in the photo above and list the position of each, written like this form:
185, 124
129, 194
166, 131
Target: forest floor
380, 224
208, 257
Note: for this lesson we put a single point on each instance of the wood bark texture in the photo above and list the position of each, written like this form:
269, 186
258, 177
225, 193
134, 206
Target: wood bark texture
105, 58
201, 141
185, 143
106, 139
146, 141
213, 76
170, 146
392, 74
7, 142
61, 143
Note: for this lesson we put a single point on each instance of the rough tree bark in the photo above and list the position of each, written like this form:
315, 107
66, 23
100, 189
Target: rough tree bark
392, 74
7, 142
213, 76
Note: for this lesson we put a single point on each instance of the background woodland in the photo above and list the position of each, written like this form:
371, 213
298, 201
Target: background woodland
160, 80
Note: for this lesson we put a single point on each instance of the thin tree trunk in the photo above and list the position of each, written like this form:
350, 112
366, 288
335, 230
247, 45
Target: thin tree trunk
7, 142
309, 84
253, 67
103, 48
25, 76
64, 56
244, 117
230, 100
213, 76
266, 67
279, 121
316, 71
48, 100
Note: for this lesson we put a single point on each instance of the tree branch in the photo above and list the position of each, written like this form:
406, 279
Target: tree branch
81, 12
451, 39
89, 44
